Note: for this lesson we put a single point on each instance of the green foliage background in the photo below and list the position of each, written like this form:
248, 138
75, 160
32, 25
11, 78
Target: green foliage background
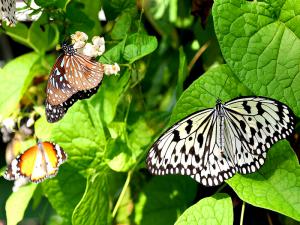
254, 45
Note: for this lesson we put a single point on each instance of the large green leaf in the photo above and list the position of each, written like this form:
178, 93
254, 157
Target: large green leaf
81, 135
93, 208
65, 191
276, 185
203, 93
196, 97
260, 41
17, 203
214, 210
163, 199
109, 95
15, 78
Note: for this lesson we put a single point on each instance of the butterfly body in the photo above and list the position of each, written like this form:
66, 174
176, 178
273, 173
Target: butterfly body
37, 163
73, 77
211, 145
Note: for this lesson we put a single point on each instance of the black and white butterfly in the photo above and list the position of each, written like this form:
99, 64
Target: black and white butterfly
7, 12
211, 145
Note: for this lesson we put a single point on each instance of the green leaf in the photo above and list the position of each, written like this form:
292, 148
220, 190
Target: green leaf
65, 190
138, 45
81, 135
121, 26
139, 136
52, 3
15, 78
83, 16
163, 199
276, 185
119, 157
17, 203
214, 210
93, 208
42, 128
204, 92
18, 33
41, 35
109, 95
114, 54
260, 41
116, 7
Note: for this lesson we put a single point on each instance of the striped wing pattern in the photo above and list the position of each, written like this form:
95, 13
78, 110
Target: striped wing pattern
213, 144
73, 77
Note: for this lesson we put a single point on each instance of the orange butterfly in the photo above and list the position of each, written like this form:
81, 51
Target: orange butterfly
37, 163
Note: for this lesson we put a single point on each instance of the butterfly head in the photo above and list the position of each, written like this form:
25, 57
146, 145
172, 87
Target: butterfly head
68, 49
219, 101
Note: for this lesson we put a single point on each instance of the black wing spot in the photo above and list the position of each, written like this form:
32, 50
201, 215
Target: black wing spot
200, 140
188, 128
246, 107
243, 126
176, 137
259, 125
260, 110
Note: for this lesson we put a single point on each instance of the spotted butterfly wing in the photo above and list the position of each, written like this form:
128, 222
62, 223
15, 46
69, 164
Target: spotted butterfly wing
7, 11
73, 77
213, 144
37, 163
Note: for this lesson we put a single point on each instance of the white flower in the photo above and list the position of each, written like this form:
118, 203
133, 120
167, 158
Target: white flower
89, 50
79, 44
9, 124
99, 44
111, 69
19, 182
79, 36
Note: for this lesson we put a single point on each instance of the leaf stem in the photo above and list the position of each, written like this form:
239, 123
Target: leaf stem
221, 188
242, 213
122, 194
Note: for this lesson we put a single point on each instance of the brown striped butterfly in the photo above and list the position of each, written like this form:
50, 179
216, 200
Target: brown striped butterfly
74, 76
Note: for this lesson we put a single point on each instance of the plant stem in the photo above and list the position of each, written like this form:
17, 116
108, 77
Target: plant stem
122, 193
242, 213
198, 54
221, 188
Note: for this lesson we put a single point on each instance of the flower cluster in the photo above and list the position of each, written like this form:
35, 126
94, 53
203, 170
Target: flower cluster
111, 69
94, 49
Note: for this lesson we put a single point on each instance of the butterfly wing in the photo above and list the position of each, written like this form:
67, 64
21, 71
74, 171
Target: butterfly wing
55, 112
23, 165
59, 89
37, 163
7, 11
54, 156
184, 148
83, 73
253, 124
